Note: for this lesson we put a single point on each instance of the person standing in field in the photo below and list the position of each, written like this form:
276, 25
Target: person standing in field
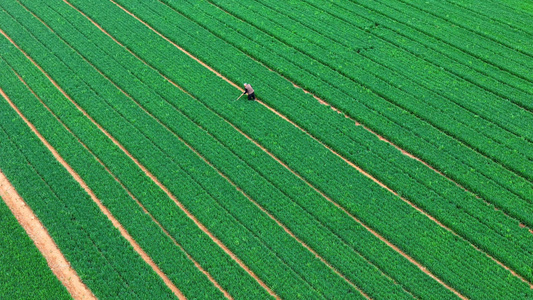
249, 91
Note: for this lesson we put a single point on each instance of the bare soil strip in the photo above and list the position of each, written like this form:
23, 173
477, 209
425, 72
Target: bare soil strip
44, 242
288, 168
104, 209
215, 283
146, 171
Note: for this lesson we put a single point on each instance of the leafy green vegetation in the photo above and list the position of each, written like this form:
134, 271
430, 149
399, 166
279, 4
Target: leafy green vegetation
225, 196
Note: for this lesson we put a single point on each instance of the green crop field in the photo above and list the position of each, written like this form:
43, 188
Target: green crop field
388, 155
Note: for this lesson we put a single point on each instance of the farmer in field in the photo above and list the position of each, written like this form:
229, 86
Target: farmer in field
248, 90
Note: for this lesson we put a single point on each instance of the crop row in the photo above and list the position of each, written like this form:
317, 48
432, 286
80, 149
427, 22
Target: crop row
432, 113
259, 188
400, 32
444, 56
25, 274
95, 249
474, 206
513, 20
305, 264
518, 188
212, 150
475, 45
404, 66
109, 65
138, 223
281, 135
422, 77
514, 40
520, 7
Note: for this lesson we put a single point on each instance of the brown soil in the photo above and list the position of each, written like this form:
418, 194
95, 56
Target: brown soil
44, 242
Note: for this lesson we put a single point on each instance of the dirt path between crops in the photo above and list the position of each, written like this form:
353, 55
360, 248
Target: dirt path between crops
44, 242
93, 196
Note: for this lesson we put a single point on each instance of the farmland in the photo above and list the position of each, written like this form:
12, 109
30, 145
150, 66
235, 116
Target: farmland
389, 153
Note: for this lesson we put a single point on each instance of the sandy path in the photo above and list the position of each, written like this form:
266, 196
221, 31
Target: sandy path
44, 242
